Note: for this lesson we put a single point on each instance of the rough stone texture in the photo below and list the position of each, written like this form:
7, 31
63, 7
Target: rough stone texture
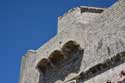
77, 16
111, 74
100, 35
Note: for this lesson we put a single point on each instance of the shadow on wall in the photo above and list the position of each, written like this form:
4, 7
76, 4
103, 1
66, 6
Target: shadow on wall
61, 63
104, 66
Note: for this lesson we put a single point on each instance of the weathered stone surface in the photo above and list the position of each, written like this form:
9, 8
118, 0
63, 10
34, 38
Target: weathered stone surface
99, 32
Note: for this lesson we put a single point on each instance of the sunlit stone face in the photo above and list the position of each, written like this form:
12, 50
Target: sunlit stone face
72, 81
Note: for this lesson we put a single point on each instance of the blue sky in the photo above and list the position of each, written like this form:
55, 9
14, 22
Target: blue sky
28, 24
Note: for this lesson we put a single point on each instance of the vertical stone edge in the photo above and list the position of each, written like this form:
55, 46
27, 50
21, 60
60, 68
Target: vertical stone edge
23, 59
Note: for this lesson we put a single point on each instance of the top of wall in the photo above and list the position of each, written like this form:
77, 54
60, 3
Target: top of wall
84, 9
82, 15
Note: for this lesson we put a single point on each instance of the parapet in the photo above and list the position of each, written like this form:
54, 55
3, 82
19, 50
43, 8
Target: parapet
78, 15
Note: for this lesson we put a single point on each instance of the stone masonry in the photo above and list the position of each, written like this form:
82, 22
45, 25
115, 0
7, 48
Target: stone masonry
89, 48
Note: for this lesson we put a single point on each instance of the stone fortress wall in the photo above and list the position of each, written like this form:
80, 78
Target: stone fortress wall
100, 35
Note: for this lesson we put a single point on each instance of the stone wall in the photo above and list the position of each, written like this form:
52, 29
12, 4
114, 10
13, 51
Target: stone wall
101, 38
105, 36
111, 74
101, 68
78, 16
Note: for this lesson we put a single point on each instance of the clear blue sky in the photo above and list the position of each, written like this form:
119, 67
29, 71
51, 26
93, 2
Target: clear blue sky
28, 24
